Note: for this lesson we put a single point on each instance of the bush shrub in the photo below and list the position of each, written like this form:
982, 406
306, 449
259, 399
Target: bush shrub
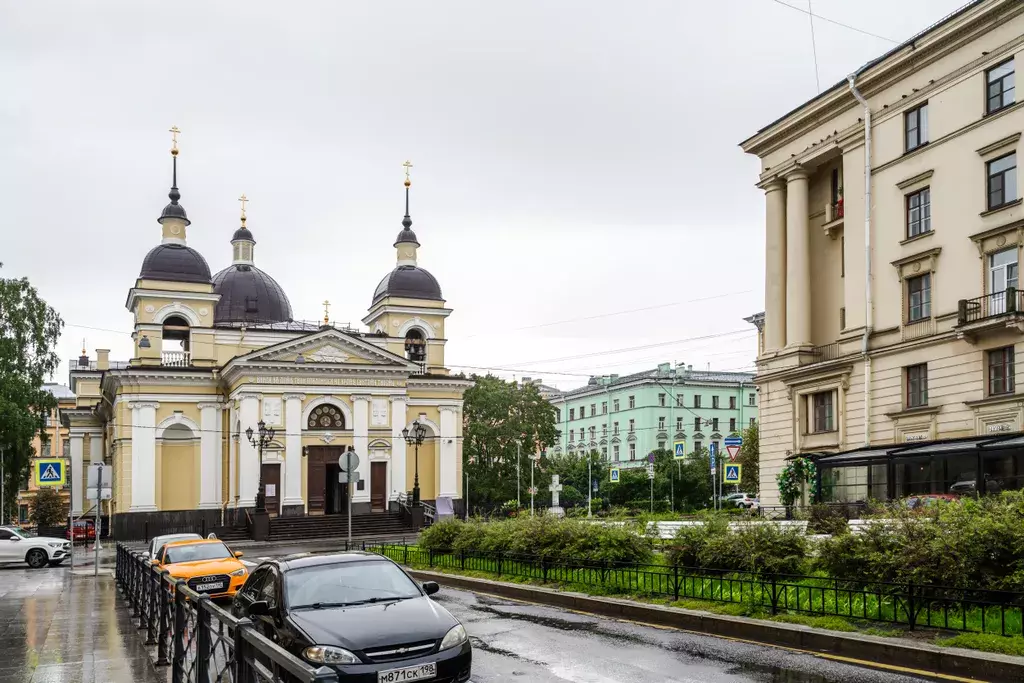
553, 537
757, 547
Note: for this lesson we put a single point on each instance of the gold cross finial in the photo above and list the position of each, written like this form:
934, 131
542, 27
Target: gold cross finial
244, 201
327, 306
83, 346
174, 130
408, 165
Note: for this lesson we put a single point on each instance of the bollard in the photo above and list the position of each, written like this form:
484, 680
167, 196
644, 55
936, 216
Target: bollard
178, 658
164, 619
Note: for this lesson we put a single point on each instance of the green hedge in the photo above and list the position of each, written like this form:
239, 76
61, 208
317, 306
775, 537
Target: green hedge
552, 537
757, 547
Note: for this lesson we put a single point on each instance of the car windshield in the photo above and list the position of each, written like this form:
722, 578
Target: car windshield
347, 583
196, 552
19, 532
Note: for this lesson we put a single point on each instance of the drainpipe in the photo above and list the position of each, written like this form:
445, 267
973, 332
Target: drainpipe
868, 316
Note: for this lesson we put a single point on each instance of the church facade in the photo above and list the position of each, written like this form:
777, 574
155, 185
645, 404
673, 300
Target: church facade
216, 354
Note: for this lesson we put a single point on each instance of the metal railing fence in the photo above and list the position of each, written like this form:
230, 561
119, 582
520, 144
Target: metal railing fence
200, 641
902, 604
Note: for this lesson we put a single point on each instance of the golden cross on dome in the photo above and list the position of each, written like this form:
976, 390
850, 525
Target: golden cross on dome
327, 306
174, 130
244, 201
408, 165
83, 346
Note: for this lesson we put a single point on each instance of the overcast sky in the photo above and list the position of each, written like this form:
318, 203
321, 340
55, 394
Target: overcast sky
571, 159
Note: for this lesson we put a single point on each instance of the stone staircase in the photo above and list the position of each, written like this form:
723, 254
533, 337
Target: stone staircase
374, 525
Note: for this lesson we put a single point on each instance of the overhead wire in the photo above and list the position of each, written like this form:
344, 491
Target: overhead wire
833, 21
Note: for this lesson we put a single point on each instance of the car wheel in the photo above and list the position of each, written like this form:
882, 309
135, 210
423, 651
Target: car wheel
36, 558
55, 563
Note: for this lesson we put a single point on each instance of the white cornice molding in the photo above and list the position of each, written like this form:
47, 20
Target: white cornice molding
215, 406
139, 405
293, 397
383, 309
360, 397
398, 398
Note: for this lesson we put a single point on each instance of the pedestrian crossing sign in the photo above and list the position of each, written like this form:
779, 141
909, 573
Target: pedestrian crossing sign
680, 450
50, 473
733, 473
613, 475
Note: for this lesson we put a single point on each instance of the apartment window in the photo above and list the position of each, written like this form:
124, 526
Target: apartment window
615, 405
604, 407
593, 432
714, 401
679, 400
558, 415
661, 424
915, 126
632, 451
572, 435
1000, 371
679, 424
696, 424
842, 318
572, 413
661, 400
697, 446
823, 418
615, 451
714, 424
604, 453
919, 297
835, 187
917, 385
751, 399
615, 428
65, 448
661, 445
604, 429
632, 425
583, 412
753, 420
632, 402
919, 212
1002, 180
732, 424
593, 409
46, 448
696, 400
1000, 89
732, 403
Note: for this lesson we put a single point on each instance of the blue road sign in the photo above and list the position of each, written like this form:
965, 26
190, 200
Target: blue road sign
50, 472
733, 474
733, 441
650, 458
680, 450
712, 460
594, 484
614, 475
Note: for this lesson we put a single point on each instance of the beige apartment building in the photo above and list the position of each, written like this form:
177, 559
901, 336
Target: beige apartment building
54, 442
894, 227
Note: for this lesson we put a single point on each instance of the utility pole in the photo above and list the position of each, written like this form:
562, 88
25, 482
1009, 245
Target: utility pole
519, 472
3, 489
590, 482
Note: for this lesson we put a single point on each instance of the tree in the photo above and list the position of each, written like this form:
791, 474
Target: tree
29, 330
750, 458
48, 508
498, 416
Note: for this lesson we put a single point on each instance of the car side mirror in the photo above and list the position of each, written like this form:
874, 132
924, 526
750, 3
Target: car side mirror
154, 561
260, 608
15, 538
431, 587
238, 554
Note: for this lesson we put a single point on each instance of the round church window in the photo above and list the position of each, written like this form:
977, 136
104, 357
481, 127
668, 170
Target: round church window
326, 417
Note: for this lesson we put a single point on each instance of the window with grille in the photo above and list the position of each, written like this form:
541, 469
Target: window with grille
919, 212
919, 297
822, 417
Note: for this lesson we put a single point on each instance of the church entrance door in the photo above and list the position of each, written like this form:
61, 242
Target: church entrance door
378, 486
335, 496
324, 494
272, 487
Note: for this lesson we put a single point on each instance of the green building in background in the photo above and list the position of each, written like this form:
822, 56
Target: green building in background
625, 418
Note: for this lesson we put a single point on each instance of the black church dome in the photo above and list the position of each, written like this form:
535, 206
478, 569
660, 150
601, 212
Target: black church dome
247, 294
175, 263
409, 282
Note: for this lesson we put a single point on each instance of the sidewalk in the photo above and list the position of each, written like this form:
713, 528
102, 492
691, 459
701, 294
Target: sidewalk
58, 628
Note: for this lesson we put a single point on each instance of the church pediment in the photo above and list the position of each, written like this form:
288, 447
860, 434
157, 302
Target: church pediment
326, 347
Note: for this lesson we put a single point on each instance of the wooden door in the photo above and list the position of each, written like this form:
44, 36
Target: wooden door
378, 486
316, 481
272, 486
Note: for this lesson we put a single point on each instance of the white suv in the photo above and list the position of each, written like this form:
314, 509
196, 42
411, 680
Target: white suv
37, 551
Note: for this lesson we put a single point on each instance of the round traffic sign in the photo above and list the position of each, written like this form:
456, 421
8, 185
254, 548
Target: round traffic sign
348, 459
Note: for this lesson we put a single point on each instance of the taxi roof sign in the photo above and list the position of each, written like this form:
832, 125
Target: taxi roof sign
49, 472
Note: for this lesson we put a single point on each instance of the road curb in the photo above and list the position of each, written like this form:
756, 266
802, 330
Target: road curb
982, 666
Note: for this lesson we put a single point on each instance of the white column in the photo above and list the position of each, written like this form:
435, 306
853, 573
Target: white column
448, 452
232, 455
361, 442
77, 473
293, 450
399, 481
143, 457
775, 267
248, 458
798, 261
95, 447
209, 455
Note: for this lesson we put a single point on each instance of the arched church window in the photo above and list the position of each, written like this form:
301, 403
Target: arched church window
326, 417
176, 342
415, 346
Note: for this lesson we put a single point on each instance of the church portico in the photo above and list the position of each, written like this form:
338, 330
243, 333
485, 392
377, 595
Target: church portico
217, 355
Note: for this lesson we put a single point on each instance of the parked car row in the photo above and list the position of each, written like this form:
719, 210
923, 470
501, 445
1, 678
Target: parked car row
356, 612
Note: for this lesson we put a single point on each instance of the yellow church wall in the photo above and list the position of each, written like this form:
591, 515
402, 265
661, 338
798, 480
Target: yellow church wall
177, 475
175, 286
429, 475
123, 477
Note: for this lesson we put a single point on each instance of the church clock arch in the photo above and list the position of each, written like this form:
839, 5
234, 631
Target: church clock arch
325, 417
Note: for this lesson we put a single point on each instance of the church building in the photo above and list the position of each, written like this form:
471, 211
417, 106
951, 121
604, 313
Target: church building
217, 354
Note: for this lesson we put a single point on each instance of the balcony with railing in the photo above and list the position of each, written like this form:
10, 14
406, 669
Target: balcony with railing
989, 313
176, 359
833, 217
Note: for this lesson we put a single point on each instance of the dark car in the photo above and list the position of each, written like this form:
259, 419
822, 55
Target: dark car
358, 613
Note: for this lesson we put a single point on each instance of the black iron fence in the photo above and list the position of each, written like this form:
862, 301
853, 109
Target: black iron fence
905, 604
988, 306
142, 526
201, 642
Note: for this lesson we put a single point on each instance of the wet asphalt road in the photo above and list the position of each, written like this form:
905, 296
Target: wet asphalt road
515, 641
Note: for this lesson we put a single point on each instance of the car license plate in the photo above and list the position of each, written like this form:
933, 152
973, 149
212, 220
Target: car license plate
413, 673
207, 587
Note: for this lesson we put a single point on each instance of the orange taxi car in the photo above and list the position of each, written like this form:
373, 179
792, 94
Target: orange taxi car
206, 565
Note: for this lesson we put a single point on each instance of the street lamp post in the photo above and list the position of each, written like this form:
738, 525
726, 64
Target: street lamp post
414, 437
260, 440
